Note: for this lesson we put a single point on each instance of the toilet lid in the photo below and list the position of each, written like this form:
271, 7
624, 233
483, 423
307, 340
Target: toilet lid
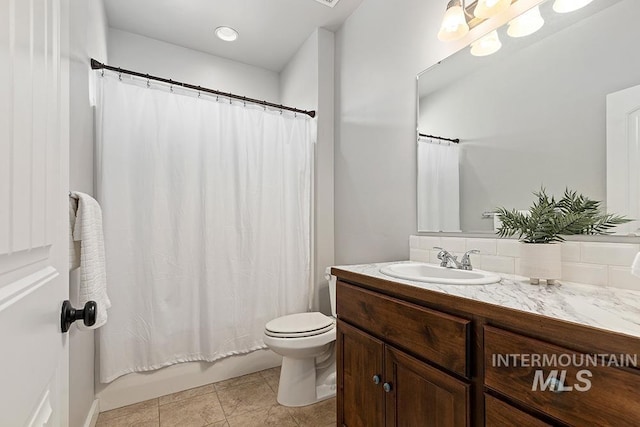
299, 324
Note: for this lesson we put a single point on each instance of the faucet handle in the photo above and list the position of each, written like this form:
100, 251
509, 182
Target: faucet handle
466, 259
443, 252
444, 256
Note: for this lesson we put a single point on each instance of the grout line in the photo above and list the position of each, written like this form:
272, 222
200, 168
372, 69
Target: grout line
188, 397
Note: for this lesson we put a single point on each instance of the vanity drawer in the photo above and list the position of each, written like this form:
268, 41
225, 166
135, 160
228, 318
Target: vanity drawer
499, 414
597, 395
438, 337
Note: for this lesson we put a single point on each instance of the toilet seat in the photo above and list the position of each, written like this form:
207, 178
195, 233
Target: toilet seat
299, 325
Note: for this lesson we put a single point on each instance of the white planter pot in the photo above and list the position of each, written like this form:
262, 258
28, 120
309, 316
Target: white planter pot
541, 261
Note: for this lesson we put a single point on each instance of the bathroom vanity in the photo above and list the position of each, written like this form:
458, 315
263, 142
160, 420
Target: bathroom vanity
421, 354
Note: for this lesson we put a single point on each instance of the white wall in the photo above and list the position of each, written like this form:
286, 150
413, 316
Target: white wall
375, 151
307, 82
146, 55
380, 49
88, 38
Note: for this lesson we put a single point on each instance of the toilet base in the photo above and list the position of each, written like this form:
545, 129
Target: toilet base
302, 383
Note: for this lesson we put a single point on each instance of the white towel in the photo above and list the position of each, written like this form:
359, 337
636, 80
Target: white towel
635, 267
332, 285
93, 278
74, 247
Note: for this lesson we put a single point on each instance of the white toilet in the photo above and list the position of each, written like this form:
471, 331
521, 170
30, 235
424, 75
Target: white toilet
306, 342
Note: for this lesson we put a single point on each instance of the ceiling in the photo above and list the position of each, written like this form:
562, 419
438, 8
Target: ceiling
271, 31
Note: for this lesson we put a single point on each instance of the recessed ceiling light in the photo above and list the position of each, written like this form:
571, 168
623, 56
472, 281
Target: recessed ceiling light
227, 34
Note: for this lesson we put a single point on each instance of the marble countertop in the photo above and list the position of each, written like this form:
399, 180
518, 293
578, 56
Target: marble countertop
611, 309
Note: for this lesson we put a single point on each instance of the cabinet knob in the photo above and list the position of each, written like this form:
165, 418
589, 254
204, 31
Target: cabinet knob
386, 387
556, 385
376, 379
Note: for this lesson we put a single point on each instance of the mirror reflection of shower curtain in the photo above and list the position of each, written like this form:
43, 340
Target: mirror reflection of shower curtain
207, 209
438, 186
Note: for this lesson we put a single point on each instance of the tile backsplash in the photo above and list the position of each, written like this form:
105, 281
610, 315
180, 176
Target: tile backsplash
593, 263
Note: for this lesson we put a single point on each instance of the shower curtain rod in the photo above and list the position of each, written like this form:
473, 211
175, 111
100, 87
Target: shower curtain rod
442, 138
96, 65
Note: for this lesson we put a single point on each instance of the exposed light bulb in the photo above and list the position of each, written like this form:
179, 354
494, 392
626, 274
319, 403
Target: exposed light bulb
487, 45
526, 24
454, 23
566, 6
487, 8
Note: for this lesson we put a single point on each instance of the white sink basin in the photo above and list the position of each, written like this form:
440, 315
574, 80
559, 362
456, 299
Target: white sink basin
433, 273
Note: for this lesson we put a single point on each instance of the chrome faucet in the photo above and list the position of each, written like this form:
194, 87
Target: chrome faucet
451, 261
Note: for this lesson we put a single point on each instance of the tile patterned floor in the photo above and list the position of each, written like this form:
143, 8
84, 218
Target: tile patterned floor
245, 401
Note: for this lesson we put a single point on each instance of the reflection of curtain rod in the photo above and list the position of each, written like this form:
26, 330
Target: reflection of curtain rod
95, 65
455, 141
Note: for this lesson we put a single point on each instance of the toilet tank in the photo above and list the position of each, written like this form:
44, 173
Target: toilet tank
332, 290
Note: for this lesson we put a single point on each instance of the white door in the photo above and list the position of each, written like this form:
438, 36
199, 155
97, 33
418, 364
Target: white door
34, 244
623, 156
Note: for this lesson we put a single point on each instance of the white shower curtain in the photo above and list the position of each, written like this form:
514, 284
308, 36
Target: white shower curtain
206, 209
438, 186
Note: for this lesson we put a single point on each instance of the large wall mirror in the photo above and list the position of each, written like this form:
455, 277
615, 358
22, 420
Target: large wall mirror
556, 109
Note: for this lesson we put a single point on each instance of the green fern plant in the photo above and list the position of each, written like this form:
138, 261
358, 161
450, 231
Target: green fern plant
548, 220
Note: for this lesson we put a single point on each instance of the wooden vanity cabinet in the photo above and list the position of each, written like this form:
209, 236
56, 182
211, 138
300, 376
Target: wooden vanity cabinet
421, 395
408, 356
593, 395
381, 385
500, 414
360, 366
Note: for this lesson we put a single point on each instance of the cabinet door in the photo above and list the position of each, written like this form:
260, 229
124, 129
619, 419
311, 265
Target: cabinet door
497, 414
421, 395
360, 398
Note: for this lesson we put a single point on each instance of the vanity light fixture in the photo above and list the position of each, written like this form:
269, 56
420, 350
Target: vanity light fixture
566, 6
454, 24
487, 45
227, 34
526, 24
487, 8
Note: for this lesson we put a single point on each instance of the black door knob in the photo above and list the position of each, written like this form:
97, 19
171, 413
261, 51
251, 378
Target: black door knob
70, 314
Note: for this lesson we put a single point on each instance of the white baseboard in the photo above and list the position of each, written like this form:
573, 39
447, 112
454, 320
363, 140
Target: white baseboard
92, 416
138, 387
